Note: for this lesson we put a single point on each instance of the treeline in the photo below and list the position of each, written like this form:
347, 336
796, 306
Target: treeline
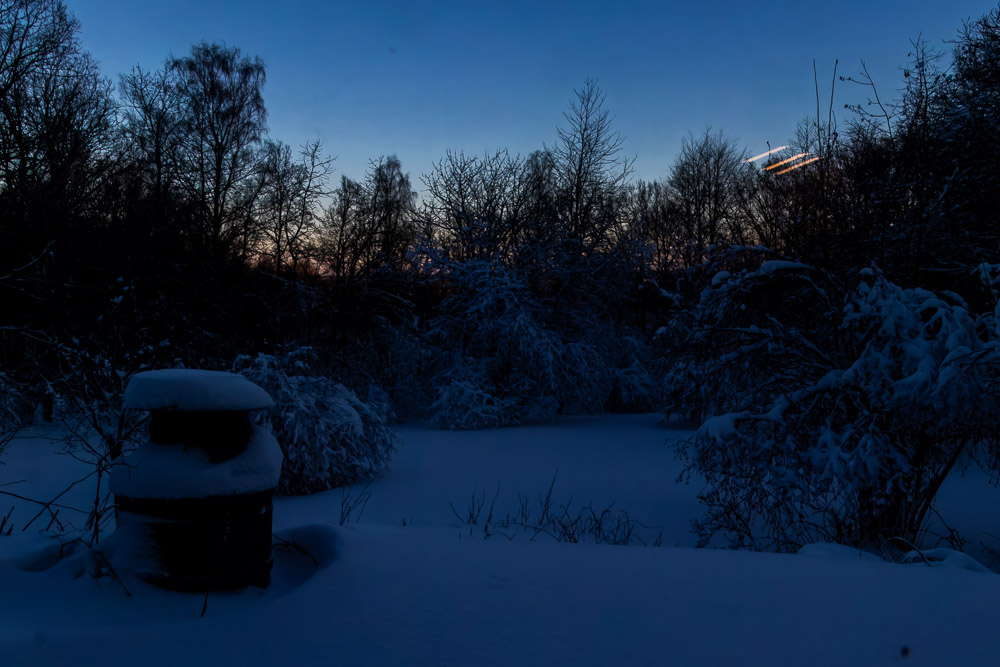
152, 221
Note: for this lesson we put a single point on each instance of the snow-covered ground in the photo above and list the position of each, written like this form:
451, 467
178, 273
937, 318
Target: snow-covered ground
410, 584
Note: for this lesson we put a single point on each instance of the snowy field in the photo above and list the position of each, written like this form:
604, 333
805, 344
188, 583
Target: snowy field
410, 582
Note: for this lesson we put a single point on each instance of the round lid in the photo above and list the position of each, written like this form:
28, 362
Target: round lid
188, 390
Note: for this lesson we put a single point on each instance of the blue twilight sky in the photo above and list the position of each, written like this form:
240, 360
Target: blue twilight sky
415, 79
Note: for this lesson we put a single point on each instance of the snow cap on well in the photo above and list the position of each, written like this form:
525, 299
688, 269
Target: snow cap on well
187, 390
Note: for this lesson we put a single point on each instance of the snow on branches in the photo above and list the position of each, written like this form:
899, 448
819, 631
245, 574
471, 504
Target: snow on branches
506, 358
841, 417
328, 435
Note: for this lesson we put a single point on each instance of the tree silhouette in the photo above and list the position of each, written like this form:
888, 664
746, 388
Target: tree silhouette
224, 118
590, 167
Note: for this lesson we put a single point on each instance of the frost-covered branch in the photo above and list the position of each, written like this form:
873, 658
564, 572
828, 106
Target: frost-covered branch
847, 436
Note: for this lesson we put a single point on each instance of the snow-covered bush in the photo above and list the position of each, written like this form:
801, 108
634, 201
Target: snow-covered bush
391, 366
496, 351
747, 336
632, 385
22, 402
328, 435
843, 431
465, 402
504, 360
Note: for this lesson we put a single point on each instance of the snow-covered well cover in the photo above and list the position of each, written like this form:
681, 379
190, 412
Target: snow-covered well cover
174, 471
187, 389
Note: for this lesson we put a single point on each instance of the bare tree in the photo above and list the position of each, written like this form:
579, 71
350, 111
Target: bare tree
655, 222
705, 184
289, 203
539, 192
56, 126
592, 171
369, 225
31, 32
475, 203
153, 127
224, 118
390, 207
342, 243
451, 206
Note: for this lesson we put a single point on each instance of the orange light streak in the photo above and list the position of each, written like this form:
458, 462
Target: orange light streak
796, 166
773, 150
785, 161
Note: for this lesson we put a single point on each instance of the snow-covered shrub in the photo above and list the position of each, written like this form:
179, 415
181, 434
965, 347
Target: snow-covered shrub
747, 336
328, 435
632, 385
843, 431
465, 402
392, 364
21, 402
504, 361
378, 400
496, 351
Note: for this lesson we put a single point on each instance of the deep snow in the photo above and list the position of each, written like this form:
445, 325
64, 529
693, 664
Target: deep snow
171, 471
434, 592
193, 389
